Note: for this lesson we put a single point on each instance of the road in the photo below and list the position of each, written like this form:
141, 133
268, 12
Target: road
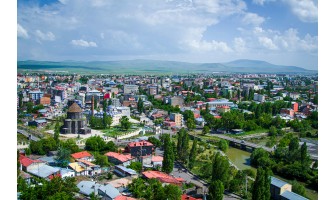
25, 133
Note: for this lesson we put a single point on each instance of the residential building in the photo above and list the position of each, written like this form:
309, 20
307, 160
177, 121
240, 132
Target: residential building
163, 177
281, 190
124, 171
128, 89
176, 101
141, 148
83, 155
177, 118
259, 97
119, 159
35, 95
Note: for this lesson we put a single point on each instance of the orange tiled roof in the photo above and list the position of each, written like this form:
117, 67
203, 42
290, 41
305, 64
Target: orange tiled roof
82, 154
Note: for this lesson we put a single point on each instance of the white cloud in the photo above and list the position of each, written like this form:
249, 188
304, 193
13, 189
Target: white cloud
305, 10
261, 2
253, 18
83, 43
49, 36
21, 32
239, 44
209, 46
267, 43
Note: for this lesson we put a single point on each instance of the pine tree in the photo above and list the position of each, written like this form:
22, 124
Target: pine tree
168, 157
216, 190
140, 105
56, 132
104, 105
193, 154
220, 170
261, 189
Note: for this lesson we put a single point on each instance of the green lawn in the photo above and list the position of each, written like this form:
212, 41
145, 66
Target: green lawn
117, 131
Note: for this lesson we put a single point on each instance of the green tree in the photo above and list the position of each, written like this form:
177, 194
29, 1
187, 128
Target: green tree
220, 169
106, 120
205, 130
216, 190
155, 141
101, 160
193, 154
298, 188
95, 143
63, 156
30, 106
137, 166
140, 106
104, 105
261, 190
168, 158
110, 146
182, 145
272, 131
71, 145
125, 124
172, 192
223, 145
56, 132
190, 124
260, 158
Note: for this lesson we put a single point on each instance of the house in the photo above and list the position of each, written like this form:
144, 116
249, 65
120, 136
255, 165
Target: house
108, 192
124, 171
44, 171
187, 197
79, 169
88, 187
38, 123
65, 172
117, 158
27, 163
26, 177
121, 183
157, 161
280, 190
83, 155
163, 177
121, 197
141, 148
50, 160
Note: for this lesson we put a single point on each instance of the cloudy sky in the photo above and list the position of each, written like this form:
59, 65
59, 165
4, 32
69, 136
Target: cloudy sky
278, 31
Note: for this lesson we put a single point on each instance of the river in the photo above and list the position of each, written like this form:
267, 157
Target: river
242, 160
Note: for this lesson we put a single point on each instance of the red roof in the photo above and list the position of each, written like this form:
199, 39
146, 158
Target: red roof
162, 177
120, 157
185, 197
121, 197
140, 143
157, 159
25, 161
217, 117
107, 96
211, 99
82, 154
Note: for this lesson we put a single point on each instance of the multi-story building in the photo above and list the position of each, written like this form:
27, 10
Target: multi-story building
177, 118
128, 89
35, 95
259, 97
176, 101
153, 90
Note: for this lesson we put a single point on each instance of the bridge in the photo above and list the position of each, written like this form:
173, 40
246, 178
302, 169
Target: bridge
28, 135
242, 144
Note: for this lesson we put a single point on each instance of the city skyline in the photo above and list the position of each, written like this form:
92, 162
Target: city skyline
283, 32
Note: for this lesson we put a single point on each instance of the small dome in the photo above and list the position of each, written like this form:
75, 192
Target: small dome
74, 108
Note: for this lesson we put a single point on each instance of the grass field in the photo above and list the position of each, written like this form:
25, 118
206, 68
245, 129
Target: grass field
117, 131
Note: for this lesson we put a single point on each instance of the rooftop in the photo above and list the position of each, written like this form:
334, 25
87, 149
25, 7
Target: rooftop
140, 143
82, 154
74, 108
277, 182
120, 157
292, 196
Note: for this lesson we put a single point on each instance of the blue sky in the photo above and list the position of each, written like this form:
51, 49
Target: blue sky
278, 31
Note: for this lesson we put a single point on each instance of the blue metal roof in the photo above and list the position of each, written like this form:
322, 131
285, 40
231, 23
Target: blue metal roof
43, 171
277, 182
130, 171
292, 196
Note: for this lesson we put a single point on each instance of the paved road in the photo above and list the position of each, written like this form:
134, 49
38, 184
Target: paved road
25, 133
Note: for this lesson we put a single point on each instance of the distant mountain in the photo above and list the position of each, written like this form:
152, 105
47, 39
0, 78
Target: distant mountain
158, 66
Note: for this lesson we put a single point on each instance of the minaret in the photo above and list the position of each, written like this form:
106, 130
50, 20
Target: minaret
92, 106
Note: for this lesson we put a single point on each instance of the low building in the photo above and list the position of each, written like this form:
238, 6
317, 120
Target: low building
163, 177
176, 101
124, 171
38, 123
119, 159
157, 161
280, 190
83, 155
